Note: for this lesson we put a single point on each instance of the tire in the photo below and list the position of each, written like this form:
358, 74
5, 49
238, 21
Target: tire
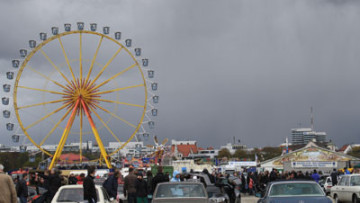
336, 199
355, 199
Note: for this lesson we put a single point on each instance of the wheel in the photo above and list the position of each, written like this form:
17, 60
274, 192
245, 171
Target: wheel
355, 199
336, 198
80, 83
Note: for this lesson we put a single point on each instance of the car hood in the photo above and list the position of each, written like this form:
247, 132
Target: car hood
298, 200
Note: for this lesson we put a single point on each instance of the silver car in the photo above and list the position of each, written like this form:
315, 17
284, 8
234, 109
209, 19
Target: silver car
347, 189
189, 192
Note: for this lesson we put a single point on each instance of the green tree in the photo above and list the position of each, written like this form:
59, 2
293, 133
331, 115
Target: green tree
224, 153
241, 154
270, 152
355, 151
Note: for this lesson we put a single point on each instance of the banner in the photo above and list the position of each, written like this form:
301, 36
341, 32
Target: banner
314, 164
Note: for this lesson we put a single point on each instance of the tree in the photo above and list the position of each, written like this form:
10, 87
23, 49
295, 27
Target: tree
270, 152
355, 151
224, 153
241, 154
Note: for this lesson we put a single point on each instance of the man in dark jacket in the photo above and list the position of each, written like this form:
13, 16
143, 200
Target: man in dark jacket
141, 189
130, 186
111, 184
89, 186
22, 190
334, 176
159, 178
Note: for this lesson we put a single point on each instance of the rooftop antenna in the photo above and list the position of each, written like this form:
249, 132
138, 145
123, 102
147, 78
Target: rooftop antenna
312, 118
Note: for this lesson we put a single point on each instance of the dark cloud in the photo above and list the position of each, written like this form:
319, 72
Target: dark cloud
249, 69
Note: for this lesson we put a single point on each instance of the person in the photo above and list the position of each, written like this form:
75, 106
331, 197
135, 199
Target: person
7, 188
273, 175
111, 184
159, 178
141, 189
176, 176
315, 176
130, 186
149, 184
346, 171
22, 190
89, 186
334, 176
72, 179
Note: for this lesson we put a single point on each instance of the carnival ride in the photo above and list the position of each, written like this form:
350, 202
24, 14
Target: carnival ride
78, 74
159, 149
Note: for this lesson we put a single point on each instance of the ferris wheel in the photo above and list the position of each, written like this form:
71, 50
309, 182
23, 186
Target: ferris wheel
79, 85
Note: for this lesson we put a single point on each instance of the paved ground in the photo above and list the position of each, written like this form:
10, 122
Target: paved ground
248, 199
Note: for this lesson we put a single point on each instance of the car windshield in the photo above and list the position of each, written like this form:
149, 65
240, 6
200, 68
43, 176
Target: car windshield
73, 195
180, 191
295, 189
355, 181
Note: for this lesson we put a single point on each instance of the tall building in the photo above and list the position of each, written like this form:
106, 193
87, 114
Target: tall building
305, 135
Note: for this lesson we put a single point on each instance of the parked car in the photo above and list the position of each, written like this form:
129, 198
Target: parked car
189, 192
347, 189
294, 191
326, 184
214, 192
75, 193
120, 194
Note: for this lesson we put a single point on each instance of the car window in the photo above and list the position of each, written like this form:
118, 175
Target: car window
73, 195
328, 180
346, 180
355, 181
180, 191
342, 181
295, 189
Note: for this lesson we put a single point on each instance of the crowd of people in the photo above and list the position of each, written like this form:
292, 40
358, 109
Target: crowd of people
137, 189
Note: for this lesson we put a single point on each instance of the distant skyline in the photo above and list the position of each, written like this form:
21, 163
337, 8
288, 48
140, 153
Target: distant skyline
245, 68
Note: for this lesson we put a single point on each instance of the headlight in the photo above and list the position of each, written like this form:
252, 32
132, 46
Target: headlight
217, 199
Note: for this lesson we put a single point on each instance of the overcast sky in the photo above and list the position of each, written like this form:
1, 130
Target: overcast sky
245, 68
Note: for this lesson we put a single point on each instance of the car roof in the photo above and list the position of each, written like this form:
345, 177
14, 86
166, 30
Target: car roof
292, 181
178, 183
76, 186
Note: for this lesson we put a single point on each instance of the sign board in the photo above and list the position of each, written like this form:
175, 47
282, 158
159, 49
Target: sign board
241, 163
314, 164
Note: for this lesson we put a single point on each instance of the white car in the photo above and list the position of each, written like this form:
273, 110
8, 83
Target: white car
75, 194
347, 189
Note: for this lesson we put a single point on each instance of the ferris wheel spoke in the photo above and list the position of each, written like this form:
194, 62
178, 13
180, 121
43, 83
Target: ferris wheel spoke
117, 102
93, 60
116, 90
106, 126
47, 78
115, 76
54, 128
105, 66
80, 58
96, 134
114, 115
47, 116
65, 135
43, 90
67, 59
57, 68
43, 103
81, 128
